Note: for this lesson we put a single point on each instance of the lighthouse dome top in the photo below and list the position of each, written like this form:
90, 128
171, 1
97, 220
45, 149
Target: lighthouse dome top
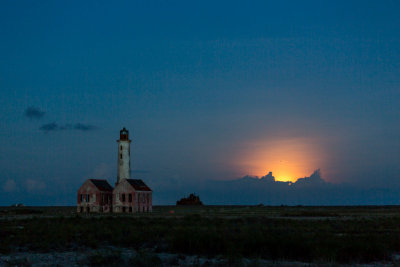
124, 134
124, 131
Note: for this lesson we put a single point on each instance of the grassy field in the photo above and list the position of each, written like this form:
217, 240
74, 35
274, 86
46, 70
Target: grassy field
307, 234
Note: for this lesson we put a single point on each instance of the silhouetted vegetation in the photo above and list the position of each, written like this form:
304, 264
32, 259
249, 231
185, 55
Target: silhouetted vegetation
20, 211
330, 235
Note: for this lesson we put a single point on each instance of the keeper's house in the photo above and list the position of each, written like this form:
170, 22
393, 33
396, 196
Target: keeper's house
95, 196
132, 195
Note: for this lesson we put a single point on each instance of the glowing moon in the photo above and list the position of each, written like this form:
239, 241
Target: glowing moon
288, 159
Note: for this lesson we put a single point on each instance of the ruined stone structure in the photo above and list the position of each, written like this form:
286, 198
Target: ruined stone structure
129, 195
191, 200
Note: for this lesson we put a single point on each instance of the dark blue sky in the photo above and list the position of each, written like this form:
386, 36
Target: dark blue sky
208, 90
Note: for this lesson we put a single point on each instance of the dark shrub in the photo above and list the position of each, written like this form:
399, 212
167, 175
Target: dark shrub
145, 259
105, 258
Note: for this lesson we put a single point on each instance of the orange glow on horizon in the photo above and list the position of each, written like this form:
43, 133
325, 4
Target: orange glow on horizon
287, 159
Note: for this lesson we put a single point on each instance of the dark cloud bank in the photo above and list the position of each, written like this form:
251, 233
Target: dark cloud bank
248, 190
34, 113
52, 127
312, 190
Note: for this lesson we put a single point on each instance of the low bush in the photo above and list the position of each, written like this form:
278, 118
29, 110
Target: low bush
105, 258
20, 262
145, 259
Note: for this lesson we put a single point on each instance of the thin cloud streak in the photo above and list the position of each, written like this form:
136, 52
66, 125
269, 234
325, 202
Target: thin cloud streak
84, 127
53, 127
49, 127
34, 113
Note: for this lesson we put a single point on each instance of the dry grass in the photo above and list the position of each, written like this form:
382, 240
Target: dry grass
310, 234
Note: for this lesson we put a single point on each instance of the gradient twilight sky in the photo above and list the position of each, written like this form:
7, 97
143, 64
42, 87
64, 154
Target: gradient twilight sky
208, 89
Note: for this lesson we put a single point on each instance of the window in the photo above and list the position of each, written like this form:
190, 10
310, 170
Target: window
124, 209
87, 198
123, 197
130, 197
81, 197
120, 156
103, 199
121, 147
130, 209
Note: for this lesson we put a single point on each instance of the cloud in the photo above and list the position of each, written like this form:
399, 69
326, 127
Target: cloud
314, 179
53, 126
252, 190
9, 186
84, 127
102, 171
34, 185
34, 113
268, 177
49, 127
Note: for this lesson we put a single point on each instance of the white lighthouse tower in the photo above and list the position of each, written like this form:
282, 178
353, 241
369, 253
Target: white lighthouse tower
124, 156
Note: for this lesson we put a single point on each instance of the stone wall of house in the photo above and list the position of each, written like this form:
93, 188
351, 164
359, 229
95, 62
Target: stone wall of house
127, 199
124, 198
91, 199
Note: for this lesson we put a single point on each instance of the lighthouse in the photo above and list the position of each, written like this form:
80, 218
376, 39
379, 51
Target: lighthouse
129, 195
124, 155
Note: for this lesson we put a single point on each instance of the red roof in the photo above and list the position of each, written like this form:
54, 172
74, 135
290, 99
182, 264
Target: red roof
138, 184
102, 185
